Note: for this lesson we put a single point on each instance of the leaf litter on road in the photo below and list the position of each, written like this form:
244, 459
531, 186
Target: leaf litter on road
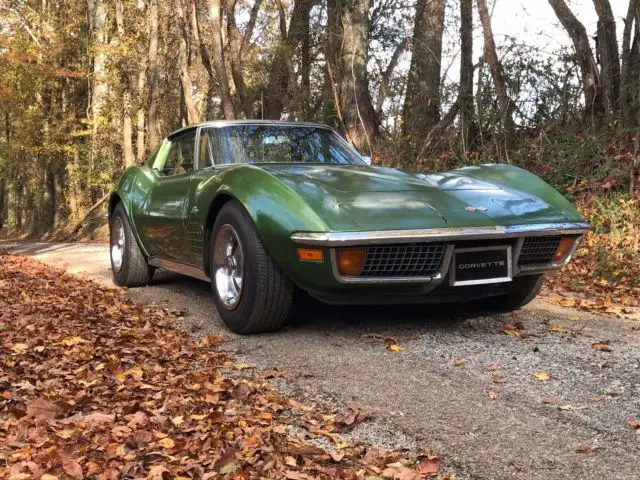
93, 385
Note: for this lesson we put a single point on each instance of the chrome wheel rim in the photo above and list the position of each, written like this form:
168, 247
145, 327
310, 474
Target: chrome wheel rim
228, 259
117, 244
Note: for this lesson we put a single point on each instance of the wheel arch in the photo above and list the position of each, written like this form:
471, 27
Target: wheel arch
118, 198
114, 200
214, 208
275, 209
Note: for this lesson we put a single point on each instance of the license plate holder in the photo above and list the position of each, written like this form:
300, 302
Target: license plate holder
481, 265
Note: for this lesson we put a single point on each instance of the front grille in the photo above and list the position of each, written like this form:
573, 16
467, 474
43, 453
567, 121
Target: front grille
410, 260
538, 250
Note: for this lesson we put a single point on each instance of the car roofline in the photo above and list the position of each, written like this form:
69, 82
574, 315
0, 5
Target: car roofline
231, 123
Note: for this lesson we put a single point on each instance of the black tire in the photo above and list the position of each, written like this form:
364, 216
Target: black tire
514, 301
134, 270
264, 300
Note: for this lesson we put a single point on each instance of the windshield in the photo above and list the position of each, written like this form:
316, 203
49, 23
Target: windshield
284, 144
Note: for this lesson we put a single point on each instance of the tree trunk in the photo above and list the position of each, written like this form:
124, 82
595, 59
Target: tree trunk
593, 99
2, 201
204, 55
282, 78
238, 44
385, 77
153, 130
468, 124
347, 58
49, 200
629, 105
212, 82
140, 121
607, 46
507, 106
185, 79
218, 63
125, 76
99, 27
422, 101
300, 32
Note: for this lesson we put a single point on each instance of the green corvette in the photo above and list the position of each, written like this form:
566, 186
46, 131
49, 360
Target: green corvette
262, 208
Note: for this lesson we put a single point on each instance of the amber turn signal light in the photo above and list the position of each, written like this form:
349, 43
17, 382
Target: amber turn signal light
310, 255
566, 244
351, 261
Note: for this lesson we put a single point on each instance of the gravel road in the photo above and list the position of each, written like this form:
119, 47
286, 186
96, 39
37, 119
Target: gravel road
541, 403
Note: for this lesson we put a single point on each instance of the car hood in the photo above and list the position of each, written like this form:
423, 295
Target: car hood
362, 198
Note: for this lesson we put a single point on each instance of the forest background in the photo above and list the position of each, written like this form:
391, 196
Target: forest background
89, 88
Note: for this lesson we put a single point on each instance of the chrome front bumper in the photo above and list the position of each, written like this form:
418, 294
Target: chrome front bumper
345, 239
449, 235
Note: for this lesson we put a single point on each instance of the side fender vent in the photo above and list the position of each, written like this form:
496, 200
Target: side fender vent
195, 232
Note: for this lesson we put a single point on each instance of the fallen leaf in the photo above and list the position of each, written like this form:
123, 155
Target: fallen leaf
65, 433
99, 417
602, 346
542, 376
20, 347
559, 329
241, 391
72, 341
166, 443
493, 395
242, 366
635, 425
595, 399
400, 472
135, 372
459, 362
229, 468
549, 401
429, 466
177, 420
156, 472
569, 408
142, 437
72, 468
291, 475
337, 456
395, 348
43, 409
589, 450
513, 329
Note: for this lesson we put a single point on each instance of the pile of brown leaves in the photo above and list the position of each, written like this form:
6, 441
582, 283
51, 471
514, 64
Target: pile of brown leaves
579, 286
94, 385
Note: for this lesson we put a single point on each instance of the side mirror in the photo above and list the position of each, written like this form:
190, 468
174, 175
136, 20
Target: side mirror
367, 160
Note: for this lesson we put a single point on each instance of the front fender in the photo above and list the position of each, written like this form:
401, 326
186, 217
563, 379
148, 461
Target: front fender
132, 191
276, 210
517, 179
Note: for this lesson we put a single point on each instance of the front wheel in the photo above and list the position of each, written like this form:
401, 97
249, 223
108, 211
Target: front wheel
515, 300
251, 293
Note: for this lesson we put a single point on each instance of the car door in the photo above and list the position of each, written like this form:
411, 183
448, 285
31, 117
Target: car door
195, 216
163, 224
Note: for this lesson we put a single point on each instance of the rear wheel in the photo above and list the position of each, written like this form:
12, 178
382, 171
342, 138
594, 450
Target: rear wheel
128, 265
251, 293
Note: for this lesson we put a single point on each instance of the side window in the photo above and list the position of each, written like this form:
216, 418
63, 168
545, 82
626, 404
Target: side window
181, 153
204, 151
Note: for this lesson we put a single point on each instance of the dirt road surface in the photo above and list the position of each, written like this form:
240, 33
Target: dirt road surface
477, 397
